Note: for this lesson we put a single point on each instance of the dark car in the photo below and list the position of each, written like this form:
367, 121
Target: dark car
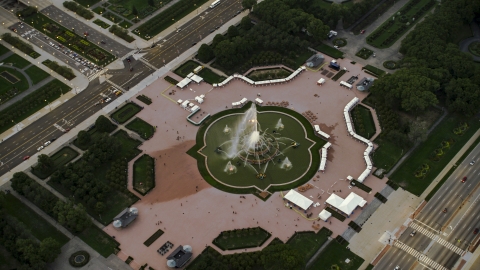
464, 179
193, 44
475, 231
445, 210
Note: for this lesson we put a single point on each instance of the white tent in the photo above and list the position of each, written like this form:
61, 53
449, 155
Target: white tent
348, 205
321, 81
197, 79
184, 82
324, 215
298, 199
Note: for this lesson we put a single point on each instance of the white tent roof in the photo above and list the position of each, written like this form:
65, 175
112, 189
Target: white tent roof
348, 205
298, 199
324, 215
196, 78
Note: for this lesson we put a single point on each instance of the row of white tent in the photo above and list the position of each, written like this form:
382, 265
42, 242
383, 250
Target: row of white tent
347, 85
188, 106
258, 101
323, 160
240, 103
190, 77
321, 133
249, 81
368, 151
200, 99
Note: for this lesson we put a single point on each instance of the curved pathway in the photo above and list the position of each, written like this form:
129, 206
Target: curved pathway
466, 42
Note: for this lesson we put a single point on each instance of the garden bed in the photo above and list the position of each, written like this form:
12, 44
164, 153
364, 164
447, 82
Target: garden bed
186, 68
60, 158
363, 121
153, 238
374, 71
20, 45
101, 23
63, 71
269, 74
241, 238
144, 99
335, 214
364, 53
210, 77
144, 174
338, 75
126, 112
142, 128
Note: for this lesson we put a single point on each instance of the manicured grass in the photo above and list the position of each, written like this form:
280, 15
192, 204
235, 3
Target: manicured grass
99, 240
3, 50
241, 238
7, 89
387, 154
69, 39
31, 104
363, 121
37, 225
144, 174
405, 174
302, 58
126, 112
142, 128
87, 3
309, 242
60, 158
36, 74
330, 51
444, 179
374, 71
210, 77
125, 24
186, 68
129, 148
392, 29
101, 23
153, 238
112, 17
336, 254
17, 61
164, 19
364, 53
99, 10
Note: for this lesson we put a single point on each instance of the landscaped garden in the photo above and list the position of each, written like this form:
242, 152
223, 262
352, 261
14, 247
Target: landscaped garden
374, 71
340, 42
144, 99
392, 29
426, 162
186, 68
363, 121
101, 23
121, 33
268, 74
309, 242
30, 104
17, 61
241, 238
64, 71
12, 83
335, 256
210, 77
69, 39
126, 112
44, 169
144, 174
20, 44
112, 17
364, 53
338, 75
87, 3
131, 9
167, 18
36, 74
142, 128
78, 9
153, 238
390, 64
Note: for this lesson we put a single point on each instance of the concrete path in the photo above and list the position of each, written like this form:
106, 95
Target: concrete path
26, 92
5, 55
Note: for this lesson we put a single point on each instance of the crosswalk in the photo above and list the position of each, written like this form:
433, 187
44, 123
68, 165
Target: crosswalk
436, 238
421, 257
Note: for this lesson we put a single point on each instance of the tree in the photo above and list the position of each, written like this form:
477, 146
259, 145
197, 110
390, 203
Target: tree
232, 31
99, 207
73, 217
151, 3
49, 249
205, 53
217, 39
103, 124
246, 23
248, 4
45, 162
463, 96
135, 11
317, 29
83, 137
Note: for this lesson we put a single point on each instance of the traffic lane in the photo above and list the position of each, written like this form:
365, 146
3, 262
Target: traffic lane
395, 256
126, 78
442, 255
464, 233
224, 11
418, 242
79, 27
23, 143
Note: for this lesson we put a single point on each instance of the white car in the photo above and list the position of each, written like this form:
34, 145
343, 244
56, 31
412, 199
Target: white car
473, 162
397, 267
108, 100
47, 143
40, 148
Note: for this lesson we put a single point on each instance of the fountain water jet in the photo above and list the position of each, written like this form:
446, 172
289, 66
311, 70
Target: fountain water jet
230, 168
279, 125
286, 164
227, 130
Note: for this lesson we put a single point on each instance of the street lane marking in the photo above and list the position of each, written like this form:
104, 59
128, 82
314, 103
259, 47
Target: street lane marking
436, 238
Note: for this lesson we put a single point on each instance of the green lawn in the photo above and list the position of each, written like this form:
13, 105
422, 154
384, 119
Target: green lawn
129, 148
99, 240
309, 242
241, 238
336, 254
363, 121
60, 158
37, 225
6, 88
17, 61
3, 50
374, 70
302, 57
142, 128
112, 17
330, 51
144, 174
186, 68
101, 23
125, 24
126, 112
387, 154
87, 3
210, 77
392, 29
36, 74
405, 174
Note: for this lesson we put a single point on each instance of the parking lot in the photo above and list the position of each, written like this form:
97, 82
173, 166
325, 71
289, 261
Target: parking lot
55, 49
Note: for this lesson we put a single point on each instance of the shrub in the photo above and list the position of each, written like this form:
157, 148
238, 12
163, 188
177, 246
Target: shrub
121, 33
78, 9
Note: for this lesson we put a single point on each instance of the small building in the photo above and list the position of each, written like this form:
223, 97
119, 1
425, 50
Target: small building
125, 217
298, 200
315, 61
179, 257
365, 84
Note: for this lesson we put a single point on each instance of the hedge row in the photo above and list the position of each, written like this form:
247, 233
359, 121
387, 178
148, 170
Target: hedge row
355, 226
19, 44
362, 186
381, 197
78, 9
64, 71
335, 214
121, 33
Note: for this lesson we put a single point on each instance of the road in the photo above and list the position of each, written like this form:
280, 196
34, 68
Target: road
441, 238
81, 106
194, 31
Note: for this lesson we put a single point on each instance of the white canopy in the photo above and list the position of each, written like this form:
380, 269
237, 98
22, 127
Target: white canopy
184, 82
197, 78
321, 81
348, 205
324, 215
298, 199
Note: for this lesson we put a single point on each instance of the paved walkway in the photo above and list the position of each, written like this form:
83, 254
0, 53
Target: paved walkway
5, 55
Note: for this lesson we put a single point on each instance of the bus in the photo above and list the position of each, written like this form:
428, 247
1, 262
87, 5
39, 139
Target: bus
214, 4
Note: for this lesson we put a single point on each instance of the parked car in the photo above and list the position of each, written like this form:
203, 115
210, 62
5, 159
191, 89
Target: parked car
475, 231
362, 32
47, 143
40, 148
26, 157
